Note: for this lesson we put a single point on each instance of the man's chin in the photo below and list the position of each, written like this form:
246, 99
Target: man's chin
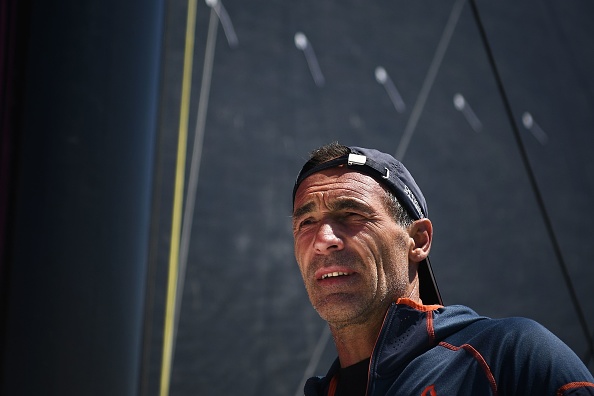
340, 309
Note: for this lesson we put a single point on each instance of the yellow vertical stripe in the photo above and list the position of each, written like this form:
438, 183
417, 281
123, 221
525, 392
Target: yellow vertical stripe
178, 201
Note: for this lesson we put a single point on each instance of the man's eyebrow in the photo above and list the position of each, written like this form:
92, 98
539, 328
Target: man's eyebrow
346, 203
303, 210
338, 205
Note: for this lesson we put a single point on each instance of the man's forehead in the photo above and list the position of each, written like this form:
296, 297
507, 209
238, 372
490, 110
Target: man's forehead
336, 185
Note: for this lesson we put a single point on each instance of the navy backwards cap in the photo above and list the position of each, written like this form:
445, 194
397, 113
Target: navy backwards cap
392, 174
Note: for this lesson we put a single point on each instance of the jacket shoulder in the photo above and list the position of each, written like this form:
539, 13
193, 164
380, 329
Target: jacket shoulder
523, 357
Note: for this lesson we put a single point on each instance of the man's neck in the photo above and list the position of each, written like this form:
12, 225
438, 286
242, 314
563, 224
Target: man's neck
355, 342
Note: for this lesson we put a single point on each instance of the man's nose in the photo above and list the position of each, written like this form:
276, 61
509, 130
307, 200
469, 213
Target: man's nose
327, 239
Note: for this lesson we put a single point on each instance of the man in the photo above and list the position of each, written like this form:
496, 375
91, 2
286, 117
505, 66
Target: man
362, 241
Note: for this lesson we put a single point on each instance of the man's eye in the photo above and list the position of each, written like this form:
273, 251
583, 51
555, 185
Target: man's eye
353, 215
304, 222
307, 221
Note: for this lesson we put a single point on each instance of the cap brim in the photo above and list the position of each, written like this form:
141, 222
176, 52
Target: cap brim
427, 284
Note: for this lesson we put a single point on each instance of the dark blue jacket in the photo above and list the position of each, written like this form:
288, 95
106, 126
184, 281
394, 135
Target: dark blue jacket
438, 351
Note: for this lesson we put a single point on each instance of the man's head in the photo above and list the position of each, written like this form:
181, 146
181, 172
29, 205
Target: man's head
361, 232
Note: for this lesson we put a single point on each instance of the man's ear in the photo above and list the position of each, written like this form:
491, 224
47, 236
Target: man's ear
421, 232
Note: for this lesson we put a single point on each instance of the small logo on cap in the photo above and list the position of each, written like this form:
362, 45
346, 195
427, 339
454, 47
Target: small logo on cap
356, 159
413, 199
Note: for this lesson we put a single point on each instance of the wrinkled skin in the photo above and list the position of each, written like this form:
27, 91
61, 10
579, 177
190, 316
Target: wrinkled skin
341, 225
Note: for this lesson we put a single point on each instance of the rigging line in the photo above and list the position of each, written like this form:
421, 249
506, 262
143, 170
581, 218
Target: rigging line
195, 164
177, 200
315, 359
588, 356
429, 79
533, 182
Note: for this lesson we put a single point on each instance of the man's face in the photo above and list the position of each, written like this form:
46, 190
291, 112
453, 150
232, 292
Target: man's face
352, 254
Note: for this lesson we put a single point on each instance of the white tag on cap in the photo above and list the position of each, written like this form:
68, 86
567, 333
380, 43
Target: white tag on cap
356, 159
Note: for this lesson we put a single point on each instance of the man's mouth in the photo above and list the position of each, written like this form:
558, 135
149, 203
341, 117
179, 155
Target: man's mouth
335, 274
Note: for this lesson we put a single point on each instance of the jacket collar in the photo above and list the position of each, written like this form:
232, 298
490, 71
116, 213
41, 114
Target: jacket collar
404, 334
407, 332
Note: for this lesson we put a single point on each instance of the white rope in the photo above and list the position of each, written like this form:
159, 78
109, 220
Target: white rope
429, 79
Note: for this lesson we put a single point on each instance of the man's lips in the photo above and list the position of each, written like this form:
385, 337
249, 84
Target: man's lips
332, 273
